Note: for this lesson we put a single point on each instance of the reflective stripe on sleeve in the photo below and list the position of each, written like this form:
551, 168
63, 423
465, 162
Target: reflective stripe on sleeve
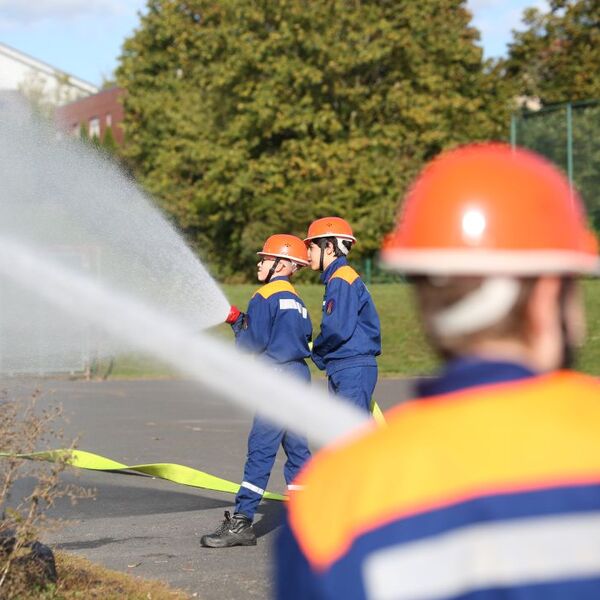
290, 304
516, 552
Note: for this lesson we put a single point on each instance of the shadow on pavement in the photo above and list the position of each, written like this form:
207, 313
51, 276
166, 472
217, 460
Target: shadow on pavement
124, 500
98, 543
272, 517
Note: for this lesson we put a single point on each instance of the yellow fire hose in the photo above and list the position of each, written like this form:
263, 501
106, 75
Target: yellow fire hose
171, 472
377, 414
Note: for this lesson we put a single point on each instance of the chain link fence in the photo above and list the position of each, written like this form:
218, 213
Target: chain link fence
569, 135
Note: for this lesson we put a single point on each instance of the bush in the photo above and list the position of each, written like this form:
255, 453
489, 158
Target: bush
25, 564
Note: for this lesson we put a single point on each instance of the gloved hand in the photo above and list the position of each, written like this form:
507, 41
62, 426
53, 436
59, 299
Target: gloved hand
234, 313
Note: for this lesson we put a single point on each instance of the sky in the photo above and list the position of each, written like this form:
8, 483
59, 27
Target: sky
84, 37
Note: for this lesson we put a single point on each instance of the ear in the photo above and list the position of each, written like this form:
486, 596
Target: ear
575, 314
545, 339
329, 248
542, 308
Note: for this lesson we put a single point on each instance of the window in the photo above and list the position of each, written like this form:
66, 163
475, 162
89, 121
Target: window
94, 127
108, 119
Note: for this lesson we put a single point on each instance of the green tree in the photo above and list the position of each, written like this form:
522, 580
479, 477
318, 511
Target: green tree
248, 117
84, 133
546, 131
109, 144
557, 58
108, 82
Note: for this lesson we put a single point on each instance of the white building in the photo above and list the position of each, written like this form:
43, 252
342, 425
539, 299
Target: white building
39, 82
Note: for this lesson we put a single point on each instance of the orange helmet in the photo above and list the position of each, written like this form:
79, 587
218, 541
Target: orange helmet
282, 245
491, 209
329, 227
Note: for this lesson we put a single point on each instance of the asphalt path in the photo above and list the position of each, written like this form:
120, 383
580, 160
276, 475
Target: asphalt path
150, 527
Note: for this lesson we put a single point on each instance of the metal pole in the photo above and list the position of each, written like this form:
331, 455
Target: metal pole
570, 142
513, 130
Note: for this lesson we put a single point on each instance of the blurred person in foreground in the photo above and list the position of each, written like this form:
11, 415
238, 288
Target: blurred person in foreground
487, 486
277, 326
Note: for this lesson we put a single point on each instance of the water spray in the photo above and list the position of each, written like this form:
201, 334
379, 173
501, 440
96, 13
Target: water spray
83, 246
255, 387
78, 207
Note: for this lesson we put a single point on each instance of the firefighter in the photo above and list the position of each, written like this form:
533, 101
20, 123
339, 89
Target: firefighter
276, 326
488, 485
350, 336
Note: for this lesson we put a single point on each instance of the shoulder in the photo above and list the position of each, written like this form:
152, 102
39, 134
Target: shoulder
445, 450
345, 273
275, 287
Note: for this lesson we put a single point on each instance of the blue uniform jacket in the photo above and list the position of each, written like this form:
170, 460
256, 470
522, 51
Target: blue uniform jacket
276, 323
350, 330
517, 511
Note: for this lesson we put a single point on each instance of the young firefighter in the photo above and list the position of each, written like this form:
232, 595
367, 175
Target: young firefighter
277, 326
488, 486
350, 336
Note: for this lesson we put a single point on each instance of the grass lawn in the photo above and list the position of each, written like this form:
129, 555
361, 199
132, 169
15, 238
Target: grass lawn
405, 352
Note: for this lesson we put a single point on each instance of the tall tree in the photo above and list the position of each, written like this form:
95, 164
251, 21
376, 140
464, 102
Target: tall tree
109, 144
557, 58
247, 117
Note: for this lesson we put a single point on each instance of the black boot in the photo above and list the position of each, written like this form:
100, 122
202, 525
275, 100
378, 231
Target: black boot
233, 531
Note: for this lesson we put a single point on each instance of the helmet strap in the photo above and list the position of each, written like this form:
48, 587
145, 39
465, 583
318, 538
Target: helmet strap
343, 248
272, 269
322, 243
489, 303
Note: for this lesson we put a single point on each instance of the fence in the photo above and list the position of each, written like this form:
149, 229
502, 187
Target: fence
37, 339
569, 135
371, 271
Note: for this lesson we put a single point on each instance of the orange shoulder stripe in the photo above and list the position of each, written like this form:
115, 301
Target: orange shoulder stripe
346, 273
274, 287
503, 438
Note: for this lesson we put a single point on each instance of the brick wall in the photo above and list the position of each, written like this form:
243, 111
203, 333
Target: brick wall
96, 112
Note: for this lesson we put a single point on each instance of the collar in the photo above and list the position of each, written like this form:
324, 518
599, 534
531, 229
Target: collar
471, 371
340, 261
278, 278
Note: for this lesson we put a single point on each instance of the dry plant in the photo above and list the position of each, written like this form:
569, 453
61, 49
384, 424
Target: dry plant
24, 429
80, 578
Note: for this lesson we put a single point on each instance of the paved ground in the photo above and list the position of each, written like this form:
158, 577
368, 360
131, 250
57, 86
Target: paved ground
152, 527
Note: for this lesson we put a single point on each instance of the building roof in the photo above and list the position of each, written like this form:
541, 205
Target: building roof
45, 68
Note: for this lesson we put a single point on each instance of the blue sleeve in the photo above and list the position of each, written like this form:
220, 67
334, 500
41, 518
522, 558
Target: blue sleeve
318, 359
253, 329
294, 579
340, 316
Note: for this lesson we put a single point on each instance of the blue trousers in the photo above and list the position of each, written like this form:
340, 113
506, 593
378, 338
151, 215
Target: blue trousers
356, 384
263, 443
